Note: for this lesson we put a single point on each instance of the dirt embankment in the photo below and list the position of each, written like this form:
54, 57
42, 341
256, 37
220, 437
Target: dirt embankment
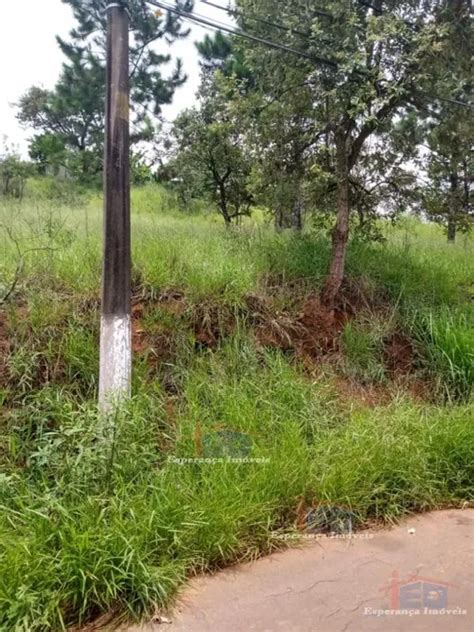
283, 317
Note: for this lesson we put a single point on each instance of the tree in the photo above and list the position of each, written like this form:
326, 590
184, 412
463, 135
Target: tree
209, 157
216, 53
383, 51
281, 140
13, 172
447, 128
73, 111
220, 53
447, 197
49, 152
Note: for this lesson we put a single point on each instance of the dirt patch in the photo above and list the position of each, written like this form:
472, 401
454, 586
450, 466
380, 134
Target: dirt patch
272, 328
322, 328
157, 344
399, 355
311, 333
210, 323
365, 395
289, 318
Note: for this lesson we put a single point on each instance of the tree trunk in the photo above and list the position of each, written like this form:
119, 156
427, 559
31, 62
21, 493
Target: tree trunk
283, 218
297, 216
453, 178
466, 188
340, 233
451, 230
297, 211
278, 218
223, 203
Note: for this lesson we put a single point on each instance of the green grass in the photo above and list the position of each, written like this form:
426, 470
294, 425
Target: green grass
196, 253
363, 346
446, 340
96, 518
89, 525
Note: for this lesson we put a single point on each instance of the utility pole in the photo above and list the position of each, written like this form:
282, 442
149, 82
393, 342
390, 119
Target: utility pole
115, 326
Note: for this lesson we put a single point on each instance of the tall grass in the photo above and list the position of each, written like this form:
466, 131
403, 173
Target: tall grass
446, 339
95, 519
363, 353
195, 252
89, 525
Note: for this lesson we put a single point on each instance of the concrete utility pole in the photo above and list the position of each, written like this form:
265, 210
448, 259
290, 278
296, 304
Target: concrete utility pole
115, 330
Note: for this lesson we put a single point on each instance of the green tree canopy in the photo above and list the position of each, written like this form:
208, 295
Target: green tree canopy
73, 111
209, 155
381, 53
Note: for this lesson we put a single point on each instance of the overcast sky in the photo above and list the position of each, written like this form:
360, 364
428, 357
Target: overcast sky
30, 55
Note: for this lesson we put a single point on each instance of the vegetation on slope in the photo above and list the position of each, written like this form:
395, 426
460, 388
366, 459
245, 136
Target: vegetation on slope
370, 409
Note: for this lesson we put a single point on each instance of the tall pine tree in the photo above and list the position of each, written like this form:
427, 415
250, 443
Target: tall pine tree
71, 115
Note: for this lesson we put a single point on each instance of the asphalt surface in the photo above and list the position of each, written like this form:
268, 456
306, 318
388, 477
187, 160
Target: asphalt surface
417, 576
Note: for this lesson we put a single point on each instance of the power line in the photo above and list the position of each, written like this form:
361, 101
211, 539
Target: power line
200, 16
233, 11
216, 25
379, 12
279, 26
238, 33
240, 14
447, 100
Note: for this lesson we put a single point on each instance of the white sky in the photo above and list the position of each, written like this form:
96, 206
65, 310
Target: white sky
30, 55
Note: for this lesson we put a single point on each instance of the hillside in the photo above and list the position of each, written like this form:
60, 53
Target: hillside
251, 402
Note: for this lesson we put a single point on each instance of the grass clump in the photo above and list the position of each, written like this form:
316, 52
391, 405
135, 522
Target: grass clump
397, 458
363, 345
446, 342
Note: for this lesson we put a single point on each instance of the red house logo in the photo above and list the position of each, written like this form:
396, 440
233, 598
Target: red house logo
417, 593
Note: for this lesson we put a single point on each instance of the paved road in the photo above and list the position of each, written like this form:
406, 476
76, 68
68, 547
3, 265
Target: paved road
377, 583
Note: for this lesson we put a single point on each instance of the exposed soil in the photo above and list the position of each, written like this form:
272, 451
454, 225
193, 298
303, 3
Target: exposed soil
155, 341
322, 328
287, 318
364, 395
312, 332
211, 323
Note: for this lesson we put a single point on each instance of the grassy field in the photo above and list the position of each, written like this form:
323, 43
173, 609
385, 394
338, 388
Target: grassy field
249, 406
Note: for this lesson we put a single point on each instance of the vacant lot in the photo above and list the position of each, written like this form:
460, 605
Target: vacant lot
252, 404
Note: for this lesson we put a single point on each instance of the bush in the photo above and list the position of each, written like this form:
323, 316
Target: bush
60, 192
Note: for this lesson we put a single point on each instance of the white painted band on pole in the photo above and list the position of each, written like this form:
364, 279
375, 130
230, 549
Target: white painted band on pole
115, 360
